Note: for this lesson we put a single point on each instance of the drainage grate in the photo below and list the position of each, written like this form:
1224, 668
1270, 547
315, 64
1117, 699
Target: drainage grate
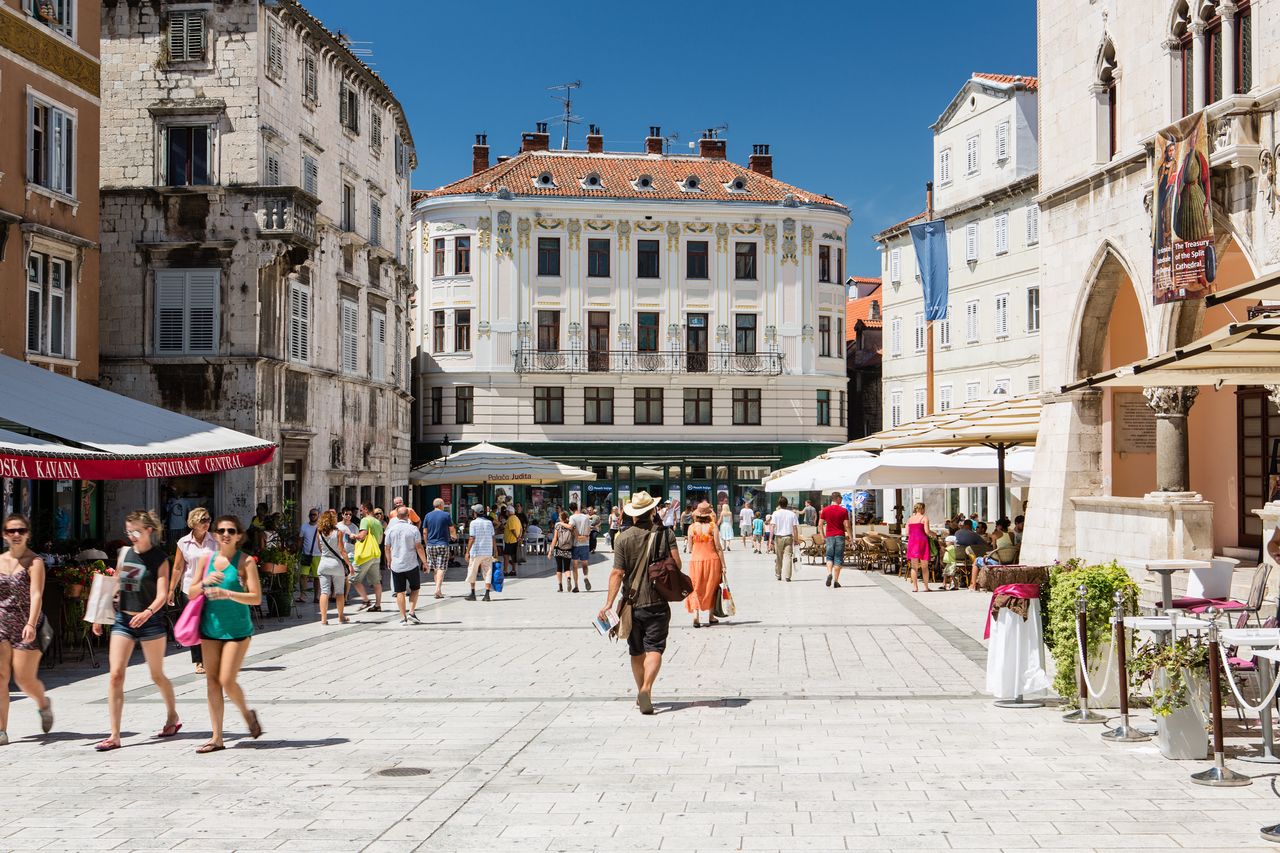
404, 771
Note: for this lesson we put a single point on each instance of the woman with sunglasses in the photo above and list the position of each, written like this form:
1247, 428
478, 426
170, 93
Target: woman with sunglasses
193, 549
21, 597
143, 571
230, 586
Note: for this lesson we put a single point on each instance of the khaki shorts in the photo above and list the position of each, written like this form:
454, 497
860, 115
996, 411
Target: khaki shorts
368, 573
480, 565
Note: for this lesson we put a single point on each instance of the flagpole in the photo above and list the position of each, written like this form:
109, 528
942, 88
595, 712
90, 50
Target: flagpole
928, 326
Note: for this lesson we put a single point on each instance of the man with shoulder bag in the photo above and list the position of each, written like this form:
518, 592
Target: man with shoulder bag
646, 571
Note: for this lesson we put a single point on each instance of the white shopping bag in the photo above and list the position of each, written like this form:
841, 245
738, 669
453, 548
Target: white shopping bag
100, 609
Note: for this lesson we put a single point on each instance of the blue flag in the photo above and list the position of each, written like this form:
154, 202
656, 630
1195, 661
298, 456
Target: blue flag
930, 239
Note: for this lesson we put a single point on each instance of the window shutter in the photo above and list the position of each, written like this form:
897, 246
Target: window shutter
171, 298
177, 37
971, 155
310, 176
202, 311
310, 81
375, 127
1033, 224
971, 241
944, 166
1002, 141
273, 169
350, 333
1002, 315
375, 223
895, 265
344, 104
275, 50
378, 341
971, 321
944, 398
1002, 233
299, 324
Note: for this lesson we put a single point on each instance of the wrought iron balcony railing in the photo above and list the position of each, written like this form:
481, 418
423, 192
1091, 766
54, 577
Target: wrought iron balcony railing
632, 361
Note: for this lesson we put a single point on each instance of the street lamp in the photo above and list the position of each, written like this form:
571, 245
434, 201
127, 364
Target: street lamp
446, 447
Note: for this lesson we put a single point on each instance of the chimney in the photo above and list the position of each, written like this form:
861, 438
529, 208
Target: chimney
480, 154
654, 141
539, 140
761, 161
595, 140
710, 146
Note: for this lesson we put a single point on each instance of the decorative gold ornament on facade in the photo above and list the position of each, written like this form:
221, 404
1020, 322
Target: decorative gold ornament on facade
550, 224
32, 42
747, 229
575, 233
697, 227
599, 224
806, 239
770, 239
648, 227
483, 228
624, 234
523, 227
722, 237
789, 242
504, 234
673, 236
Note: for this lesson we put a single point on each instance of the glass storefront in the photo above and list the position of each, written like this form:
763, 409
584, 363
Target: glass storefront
63, 513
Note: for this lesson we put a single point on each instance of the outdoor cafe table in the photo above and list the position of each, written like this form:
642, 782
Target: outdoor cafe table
1265, 643
1165, 569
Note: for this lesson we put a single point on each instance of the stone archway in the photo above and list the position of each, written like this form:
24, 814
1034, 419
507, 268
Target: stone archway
1108, 273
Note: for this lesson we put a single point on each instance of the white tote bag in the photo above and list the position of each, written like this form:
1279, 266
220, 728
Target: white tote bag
100, 609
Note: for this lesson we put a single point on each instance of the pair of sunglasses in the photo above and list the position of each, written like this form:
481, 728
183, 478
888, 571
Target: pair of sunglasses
16, 531
227, 531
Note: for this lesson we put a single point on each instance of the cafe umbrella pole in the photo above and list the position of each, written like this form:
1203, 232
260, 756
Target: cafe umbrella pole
1123, 733
1083, 715
1219, 775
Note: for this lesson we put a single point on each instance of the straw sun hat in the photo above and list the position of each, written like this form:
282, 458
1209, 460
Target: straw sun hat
641, 503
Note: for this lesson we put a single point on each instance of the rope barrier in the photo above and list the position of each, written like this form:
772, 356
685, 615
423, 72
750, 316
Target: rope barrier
1084, 672
1275, 685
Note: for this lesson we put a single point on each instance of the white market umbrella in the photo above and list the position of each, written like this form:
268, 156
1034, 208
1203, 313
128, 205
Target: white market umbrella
488, 463
899, 469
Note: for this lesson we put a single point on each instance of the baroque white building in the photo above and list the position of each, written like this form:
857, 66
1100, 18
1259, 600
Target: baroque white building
255, 193
985, 179
1110, 479
675, 322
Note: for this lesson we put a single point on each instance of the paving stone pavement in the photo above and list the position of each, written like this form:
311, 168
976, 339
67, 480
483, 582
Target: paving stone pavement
817, 719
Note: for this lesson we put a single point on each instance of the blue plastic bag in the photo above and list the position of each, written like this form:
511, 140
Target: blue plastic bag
496, 579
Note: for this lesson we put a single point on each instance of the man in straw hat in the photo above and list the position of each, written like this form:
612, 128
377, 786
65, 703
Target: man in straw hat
650, 614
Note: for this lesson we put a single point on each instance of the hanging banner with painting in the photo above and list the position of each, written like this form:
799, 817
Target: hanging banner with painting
1184, 263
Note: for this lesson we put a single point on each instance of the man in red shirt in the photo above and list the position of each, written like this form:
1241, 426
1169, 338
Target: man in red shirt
835, 520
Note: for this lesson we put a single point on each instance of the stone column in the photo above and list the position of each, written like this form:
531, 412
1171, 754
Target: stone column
1171, 404
1197, 67
1227, 11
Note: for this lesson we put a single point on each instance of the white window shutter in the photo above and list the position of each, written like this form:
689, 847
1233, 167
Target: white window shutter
1002, 141
1002, 314
971, 321
971, 155
378, 346
1002, 233
350, 336
971, 241
202, 311
944, 166
1033, 224
895, 265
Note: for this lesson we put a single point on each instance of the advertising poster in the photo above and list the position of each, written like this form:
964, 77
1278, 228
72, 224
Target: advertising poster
1184, 265
575, 496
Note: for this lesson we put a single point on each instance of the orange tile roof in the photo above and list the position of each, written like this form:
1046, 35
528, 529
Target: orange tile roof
897, 226
618, 170
860, 309
862, 279
1031, 84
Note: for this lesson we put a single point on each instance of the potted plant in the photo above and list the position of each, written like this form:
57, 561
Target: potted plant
1101, 582
1178, 672
74, 577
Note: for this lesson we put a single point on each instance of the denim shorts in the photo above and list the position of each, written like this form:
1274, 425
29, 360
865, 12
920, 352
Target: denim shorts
582, 553
152, 629
835, 549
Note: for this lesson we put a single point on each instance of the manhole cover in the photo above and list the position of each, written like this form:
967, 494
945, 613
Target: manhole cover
404, 771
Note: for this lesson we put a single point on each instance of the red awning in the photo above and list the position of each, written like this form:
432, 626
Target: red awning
63, 429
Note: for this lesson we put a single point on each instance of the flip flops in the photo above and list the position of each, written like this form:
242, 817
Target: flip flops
170, 729
106, 745
210, 747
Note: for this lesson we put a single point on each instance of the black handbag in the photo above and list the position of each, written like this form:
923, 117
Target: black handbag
670, 583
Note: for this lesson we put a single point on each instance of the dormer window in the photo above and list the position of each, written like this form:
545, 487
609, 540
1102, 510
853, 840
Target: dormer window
737, 185
592, 182
544, 181
691, 184
644, 183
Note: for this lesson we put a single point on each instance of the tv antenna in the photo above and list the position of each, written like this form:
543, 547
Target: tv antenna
670, 138
568, 117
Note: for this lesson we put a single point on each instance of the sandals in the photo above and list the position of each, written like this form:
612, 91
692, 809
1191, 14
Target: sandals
199, 669
170, 729
255, 728
106, 745
210, 747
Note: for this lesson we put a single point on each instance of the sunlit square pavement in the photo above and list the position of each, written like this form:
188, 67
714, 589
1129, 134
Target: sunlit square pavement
816, 719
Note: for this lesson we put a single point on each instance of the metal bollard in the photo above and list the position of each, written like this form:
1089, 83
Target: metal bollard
1123, 733
1219, 775
1083, 715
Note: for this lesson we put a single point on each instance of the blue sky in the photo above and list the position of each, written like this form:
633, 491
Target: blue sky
844, 92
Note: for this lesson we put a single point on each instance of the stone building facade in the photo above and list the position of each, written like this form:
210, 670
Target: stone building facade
984, 186
1107, 482
255, 191
675, 322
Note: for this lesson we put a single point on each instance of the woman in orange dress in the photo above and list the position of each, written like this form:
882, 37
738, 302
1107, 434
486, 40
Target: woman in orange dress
706, 566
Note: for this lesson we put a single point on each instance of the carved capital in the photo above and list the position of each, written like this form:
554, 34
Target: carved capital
1171, 401
1273, 394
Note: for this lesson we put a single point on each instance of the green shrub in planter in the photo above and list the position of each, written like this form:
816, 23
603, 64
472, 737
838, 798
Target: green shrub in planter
1101, 583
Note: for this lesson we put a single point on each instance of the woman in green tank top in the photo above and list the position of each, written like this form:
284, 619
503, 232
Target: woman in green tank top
229, 583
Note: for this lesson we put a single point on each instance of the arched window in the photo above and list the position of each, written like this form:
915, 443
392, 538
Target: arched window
1183, 61
1105, 84
1211, 46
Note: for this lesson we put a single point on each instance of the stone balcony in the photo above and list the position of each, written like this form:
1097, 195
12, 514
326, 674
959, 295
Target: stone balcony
286, 212
529, 360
